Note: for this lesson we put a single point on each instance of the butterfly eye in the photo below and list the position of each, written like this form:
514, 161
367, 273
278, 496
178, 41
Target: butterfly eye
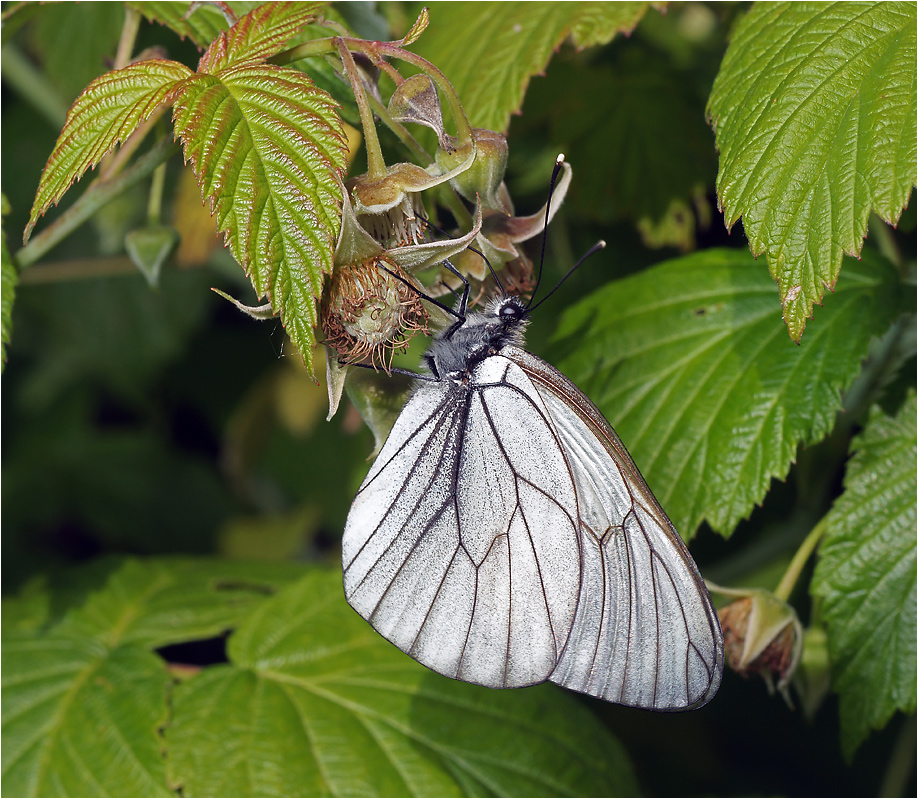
509, 310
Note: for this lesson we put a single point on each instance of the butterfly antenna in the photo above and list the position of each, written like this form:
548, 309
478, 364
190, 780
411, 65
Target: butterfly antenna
559, 161
592, 251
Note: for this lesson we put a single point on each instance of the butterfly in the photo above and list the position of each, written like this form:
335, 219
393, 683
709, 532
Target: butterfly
505, 537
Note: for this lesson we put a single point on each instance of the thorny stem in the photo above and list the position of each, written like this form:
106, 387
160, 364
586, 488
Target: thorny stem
100, 193
376, 164
801, 556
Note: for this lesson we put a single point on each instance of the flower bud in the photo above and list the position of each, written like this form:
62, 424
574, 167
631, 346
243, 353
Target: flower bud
484, 177
762, 635
416, 100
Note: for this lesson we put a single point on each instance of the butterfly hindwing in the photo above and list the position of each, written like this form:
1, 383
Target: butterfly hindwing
645, 633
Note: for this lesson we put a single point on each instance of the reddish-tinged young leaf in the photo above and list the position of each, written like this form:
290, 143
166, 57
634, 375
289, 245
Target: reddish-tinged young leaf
106, 113
267, 148
258, 35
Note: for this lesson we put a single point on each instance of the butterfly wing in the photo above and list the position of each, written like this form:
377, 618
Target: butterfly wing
461, 546
645, 632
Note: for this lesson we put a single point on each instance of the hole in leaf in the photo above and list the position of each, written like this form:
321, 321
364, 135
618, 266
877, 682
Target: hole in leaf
208, 652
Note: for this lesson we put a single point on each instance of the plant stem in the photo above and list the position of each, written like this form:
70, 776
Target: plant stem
463, 129
155, 202
373, 50
95, 197
78, 269
901, 762
882, 233
306, 50
32, 86
404, 135
128, 37
376, 164
801, 556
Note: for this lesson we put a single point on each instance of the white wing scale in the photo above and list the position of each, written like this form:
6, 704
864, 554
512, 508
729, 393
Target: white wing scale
549, 559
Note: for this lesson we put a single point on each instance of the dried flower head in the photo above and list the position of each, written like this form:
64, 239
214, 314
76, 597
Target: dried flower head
403, 225
369, 314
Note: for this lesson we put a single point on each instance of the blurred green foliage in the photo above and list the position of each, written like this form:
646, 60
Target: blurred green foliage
159, 422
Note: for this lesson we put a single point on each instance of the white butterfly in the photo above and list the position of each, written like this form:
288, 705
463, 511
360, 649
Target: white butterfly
505, 537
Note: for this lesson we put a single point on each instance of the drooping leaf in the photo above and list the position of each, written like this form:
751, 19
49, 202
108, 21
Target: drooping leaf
688, 362
489, 51
814, 109
267, 147
866, 577
105, 114
9, 277
315, 703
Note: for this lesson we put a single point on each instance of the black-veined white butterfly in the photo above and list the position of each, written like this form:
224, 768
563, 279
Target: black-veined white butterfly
504, 536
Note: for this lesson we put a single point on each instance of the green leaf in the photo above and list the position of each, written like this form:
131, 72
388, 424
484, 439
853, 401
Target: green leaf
201, 25
81, 720
866, 577
9, 278
149, 247
689, 363
84, 700
312, 701
316, 703
106, 113
71, 61
119, 339
267, 147
814, 109
639, 120
163, 601
489, 51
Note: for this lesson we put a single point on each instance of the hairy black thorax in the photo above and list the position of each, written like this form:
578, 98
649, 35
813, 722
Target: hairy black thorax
461, 347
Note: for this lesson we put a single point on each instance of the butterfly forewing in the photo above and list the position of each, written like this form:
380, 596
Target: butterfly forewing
645, 632
461, 546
